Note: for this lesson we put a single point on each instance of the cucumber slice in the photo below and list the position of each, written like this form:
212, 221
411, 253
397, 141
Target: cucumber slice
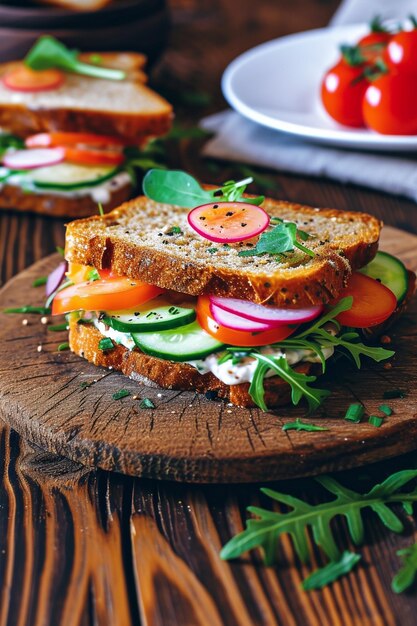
185, 343
69, 176
149, 317
390, 271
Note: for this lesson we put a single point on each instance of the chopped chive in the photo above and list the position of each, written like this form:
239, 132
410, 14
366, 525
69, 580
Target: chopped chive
63, 346
84, 385
146, 403
175, 230
385, 409
122, 393
375, 420
105, 344
100, 209
38, 282
354, 413
57, 327
41, 310
60, 250
394, 393
212, 250
300, 425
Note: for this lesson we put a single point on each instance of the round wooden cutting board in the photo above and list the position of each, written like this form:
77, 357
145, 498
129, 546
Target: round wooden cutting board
65, 405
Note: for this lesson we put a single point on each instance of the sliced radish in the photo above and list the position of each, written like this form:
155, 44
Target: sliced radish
228, 222
23, 78
273, 316
30, 159
236, 322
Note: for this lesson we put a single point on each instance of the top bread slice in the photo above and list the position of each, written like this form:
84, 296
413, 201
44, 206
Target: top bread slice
136, 240
127, 108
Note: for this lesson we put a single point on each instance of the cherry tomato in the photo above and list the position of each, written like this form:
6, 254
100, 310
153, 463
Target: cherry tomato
401, 53
390, 104
104, 295
86, 156
342, 92
373, 45
372, 304
47, 140
237, 337
22, 78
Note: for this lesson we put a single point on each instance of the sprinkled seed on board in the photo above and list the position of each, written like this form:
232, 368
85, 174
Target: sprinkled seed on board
44, 320
24, 322
39, 348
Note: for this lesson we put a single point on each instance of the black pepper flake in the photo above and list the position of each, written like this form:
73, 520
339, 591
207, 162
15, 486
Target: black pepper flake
215, 206
202, 218
229, 214
243, 224
267, 285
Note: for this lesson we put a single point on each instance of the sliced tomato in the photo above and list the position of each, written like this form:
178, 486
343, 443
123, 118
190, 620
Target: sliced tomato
237, 337
87, 156
22, 78
104, 295
372, 304
45, 140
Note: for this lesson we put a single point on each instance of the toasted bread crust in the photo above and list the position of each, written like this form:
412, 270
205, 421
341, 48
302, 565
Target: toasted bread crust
149, 370
14, 197
107, 242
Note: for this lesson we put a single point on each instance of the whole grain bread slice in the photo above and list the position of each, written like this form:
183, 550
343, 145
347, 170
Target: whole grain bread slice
126, 108
137, 240
58, 205
152, 371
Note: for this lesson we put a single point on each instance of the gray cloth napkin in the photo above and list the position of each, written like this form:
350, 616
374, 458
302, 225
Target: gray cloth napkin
238, 139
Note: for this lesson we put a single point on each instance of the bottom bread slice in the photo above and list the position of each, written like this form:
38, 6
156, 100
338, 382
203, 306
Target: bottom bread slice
57, 205
152, 371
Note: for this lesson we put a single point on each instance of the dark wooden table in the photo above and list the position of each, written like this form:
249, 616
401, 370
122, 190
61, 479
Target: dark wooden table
80, 546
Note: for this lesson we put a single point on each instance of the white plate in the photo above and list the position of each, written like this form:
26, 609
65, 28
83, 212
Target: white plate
277, 85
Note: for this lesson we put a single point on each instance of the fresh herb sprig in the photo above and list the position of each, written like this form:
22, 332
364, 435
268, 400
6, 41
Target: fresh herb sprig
314, 338
266, 529
181, 189
49, 53
283, 238
405, 576
300, 425
331, 572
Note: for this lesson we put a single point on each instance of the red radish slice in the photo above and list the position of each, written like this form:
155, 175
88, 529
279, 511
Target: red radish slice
228, 222
30, 159
273, 316
55, 278
236, 322
23, 78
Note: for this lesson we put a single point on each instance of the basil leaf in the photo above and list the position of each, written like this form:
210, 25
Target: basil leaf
175, 187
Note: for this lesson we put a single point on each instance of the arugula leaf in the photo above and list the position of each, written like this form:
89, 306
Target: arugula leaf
122, 393
265, 530
405, 576
331, 572
38, 282
48, 53
298, 382
300, 425
282, 238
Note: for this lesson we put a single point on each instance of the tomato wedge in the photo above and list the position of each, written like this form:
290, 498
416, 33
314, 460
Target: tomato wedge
372, 304
22, 78
237, 337
46, 140
89, 156
104, 295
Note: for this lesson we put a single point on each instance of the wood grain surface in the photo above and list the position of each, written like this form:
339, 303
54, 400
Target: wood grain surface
64, 404
84, 547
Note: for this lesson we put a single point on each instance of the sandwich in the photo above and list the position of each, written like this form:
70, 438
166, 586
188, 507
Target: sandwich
214, 291
71, 124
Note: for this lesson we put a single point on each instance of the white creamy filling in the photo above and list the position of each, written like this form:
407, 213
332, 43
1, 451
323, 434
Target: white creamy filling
228, 373
122, 338
99, 193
